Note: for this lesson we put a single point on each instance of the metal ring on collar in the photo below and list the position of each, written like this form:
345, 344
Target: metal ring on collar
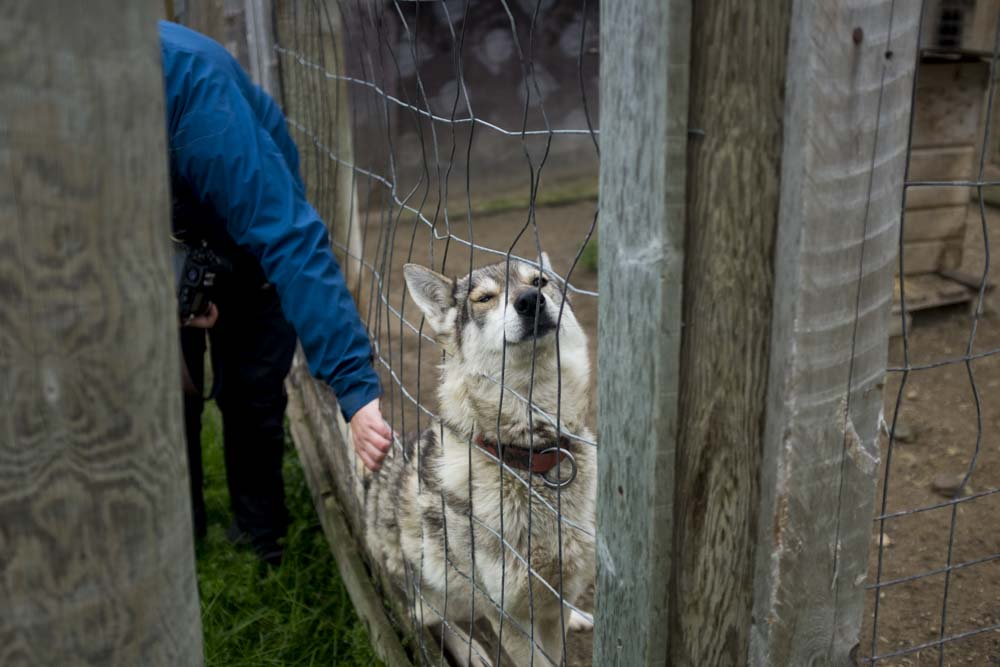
560, 483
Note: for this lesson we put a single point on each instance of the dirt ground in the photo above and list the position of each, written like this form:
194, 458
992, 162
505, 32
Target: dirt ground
937, 419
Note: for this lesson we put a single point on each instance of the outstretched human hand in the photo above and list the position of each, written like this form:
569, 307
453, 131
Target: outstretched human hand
206, 321
372, 437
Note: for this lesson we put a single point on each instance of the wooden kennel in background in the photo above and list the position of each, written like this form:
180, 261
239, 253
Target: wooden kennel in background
949, 117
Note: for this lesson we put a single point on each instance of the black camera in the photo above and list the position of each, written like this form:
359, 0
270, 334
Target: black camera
198, 271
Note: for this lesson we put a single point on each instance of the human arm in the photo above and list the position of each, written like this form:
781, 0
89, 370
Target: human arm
221, 150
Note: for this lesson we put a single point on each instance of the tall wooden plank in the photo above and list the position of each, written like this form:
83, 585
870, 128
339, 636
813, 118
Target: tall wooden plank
644, 82
317, 101
847, 110
96, 555
322, 437
207, 17
260, 46
222, 20
737, 80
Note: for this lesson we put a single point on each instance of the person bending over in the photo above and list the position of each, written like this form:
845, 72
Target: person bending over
236, 188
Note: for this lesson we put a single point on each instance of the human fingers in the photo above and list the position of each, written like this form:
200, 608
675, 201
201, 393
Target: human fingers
376, 445
376, 454
363, 455
212, 316
381, 438
206, 321
374, 429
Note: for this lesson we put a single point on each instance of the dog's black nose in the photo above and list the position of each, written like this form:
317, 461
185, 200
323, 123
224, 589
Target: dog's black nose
529, 302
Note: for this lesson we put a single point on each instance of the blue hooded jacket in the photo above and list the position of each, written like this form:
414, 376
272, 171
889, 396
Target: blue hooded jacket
231, 154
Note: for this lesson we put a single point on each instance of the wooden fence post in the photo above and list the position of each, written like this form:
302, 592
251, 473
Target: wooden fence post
794, 189
225, 21
207, 17
644, 117
743, 471
96, 555
260, 46
737, 81
846, 119
313, 30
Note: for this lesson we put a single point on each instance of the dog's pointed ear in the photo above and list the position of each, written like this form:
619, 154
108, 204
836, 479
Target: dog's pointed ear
432, 293
546, 264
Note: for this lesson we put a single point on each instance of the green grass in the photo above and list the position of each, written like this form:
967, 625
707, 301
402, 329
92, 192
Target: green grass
588, 259
298, 614
559, 194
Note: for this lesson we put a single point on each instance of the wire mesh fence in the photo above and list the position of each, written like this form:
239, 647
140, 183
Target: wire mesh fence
443, 134
455, 135
933, 579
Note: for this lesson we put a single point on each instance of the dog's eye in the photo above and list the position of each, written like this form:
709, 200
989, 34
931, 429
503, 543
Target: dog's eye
539, 281
484, 298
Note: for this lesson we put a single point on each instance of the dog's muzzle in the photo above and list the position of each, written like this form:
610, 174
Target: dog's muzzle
527, 304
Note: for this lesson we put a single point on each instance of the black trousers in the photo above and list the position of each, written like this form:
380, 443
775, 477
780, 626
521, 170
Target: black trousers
251, 352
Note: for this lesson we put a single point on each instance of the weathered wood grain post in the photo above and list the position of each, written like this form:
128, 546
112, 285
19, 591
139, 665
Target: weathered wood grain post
317, 100
225, 21
207, 17
260, 46
737, 480
847, 112
644, 109
96, 555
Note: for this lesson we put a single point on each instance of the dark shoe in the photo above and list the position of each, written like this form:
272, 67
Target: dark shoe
270, 555
268, 551
236, 535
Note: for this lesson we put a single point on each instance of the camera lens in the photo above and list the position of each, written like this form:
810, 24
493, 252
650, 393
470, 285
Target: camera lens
192, 275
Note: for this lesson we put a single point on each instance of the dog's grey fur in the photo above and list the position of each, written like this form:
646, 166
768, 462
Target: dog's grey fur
420, 500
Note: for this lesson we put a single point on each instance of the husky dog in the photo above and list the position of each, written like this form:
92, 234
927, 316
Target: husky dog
448, 491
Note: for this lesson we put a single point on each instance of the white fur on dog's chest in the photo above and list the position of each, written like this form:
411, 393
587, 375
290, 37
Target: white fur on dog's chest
559, 522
